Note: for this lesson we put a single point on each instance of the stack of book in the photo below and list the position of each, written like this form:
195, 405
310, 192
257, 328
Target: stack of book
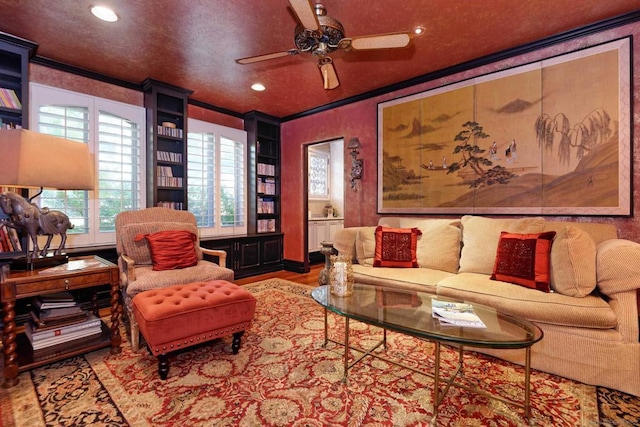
57, 318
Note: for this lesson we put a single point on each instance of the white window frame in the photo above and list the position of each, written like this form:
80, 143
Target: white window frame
41, 95
219, 132
326, 157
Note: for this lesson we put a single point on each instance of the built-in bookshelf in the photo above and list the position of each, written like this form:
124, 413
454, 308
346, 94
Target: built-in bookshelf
14, 81
263, 135
14, 113
166, 144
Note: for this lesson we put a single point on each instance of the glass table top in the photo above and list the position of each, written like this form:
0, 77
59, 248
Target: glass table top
410, 312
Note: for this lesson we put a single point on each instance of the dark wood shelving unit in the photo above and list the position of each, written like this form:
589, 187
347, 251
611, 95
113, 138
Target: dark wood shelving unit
14, 75
166, 107
263, 138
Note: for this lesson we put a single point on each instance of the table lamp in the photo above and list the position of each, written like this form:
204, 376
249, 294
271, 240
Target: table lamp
34, 160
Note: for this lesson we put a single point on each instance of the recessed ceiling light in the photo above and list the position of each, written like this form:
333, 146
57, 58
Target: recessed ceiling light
258, 87
104, 13
418, 30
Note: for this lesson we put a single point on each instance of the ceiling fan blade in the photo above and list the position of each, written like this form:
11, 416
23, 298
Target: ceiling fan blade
329, 75
378, 41
306, 14
266, 57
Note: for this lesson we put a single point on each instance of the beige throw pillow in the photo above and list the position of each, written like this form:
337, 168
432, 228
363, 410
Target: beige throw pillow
573, 263
439, 244
480, 237
366, 245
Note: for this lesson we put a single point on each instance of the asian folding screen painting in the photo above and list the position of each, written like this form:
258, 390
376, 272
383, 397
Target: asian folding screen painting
551, 137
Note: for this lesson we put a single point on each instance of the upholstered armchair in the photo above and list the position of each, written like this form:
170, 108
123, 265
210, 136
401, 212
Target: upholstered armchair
140, 265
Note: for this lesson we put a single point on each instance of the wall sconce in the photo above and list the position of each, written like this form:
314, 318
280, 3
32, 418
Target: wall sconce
357, 165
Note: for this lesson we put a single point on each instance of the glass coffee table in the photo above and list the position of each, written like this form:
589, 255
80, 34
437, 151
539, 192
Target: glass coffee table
411, 313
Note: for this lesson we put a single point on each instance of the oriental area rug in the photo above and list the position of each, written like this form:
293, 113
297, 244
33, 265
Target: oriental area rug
283, 376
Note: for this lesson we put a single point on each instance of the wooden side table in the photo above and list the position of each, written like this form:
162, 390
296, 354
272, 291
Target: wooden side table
78, 273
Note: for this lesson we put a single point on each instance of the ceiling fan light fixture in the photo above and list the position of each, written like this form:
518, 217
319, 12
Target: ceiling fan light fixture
104, 13
258, 87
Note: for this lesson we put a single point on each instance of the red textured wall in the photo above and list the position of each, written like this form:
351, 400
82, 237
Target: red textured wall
359, 119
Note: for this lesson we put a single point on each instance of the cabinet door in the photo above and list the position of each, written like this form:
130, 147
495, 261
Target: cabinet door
317, 234
272, 250
248, 255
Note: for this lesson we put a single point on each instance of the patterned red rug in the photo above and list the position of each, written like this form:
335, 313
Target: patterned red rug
284, 377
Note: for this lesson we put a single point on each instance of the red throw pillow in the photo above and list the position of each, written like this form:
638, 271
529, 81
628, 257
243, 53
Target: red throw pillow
396, 247
524, 259
171, 249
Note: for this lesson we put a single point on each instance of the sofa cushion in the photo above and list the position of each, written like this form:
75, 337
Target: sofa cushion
396, 247
523, 259
147, 278
480, 236
171, 249
439, 245
423, 279
552, 308
366, 245
573, 262
139, 250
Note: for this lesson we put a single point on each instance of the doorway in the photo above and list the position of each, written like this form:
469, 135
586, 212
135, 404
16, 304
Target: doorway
324, 167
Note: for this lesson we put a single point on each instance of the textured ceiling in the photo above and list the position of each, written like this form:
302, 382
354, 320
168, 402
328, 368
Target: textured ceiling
193, 43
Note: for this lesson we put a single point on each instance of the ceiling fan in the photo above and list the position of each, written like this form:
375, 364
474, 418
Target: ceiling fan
320, 34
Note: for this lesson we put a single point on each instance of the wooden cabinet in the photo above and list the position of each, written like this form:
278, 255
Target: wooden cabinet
263, 144
166, 144
323, 231
250, 255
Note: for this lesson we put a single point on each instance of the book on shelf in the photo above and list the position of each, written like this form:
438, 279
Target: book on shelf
54, 300
451, 313
51, 336
54, 350
9, 98
49, 319
45, 343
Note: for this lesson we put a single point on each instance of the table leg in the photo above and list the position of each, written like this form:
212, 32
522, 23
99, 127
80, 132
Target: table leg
326, 329
436, 382
346, 349
527, 384
9, 346
116, 311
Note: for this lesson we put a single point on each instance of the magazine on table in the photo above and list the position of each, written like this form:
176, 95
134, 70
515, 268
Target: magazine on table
455, 314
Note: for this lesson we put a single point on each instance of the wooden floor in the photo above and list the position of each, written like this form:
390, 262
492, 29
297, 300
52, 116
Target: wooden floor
310, 278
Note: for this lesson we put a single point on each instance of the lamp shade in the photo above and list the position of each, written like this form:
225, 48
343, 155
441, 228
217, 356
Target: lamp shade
31, 159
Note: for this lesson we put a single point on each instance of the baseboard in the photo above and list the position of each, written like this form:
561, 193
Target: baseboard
295, 266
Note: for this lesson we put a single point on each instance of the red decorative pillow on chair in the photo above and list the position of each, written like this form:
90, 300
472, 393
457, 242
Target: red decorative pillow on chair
396, 247
171, 249
524, 259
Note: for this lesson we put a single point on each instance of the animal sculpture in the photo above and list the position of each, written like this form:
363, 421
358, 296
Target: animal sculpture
28, 217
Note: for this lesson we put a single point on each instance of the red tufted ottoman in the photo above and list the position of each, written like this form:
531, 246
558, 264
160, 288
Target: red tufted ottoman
180, 316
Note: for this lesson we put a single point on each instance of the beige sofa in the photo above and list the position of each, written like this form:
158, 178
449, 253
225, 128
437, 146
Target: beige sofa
590, 319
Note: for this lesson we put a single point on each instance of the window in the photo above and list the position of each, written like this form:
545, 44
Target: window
114, 132
319, 174
216, 176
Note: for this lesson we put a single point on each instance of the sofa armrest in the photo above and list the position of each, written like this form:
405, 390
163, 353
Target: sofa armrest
618, 266
344, 242
127, 269
221, 254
